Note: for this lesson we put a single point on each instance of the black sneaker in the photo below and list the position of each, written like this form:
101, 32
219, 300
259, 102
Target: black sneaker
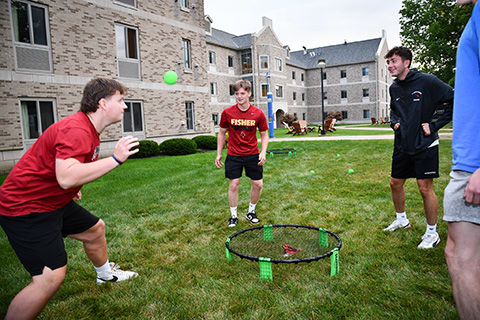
232, 222
252, 217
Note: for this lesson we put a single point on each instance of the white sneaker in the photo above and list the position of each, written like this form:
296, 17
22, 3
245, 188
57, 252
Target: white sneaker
429, 241
115, 275
397, 225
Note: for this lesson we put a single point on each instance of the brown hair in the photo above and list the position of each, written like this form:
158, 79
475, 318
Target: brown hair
245, 84
97, 89
402, 52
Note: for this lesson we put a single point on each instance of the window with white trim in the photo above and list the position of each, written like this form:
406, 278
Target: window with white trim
211, 57
187, 54
37, 116
366, 93
263, 62
184, 3
213, 88
131, 3
279, 91
365, 72
31, 36
189, 115
128, 58
278, 64
133, 117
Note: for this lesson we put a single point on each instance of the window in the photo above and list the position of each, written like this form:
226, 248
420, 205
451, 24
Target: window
127, 52
133, 117
366, 114
37, 116
366, 93
279, 91
230, 61
324, 96
187, 55
247, 61
211, 57
215, 119
304, 116
184, 3
31, 36
232, 92
293, 75
364, 72
263, 62
264, 90
132, 3
344, 94
295, 97
343, 74
190, 114
344, 115
303, 96
324, 75
278, 64
213, 88
303, 77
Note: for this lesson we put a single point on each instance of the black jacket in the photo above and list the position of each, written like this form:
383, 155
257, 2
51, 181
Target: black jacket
413, 102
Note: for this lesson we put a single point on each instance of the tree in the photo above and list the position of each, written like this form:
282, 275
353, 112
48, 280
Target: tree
432, 29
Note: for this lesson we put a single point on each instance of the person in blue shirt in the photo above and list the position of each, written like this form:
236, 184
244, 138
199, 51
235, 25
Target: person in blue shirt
462, 195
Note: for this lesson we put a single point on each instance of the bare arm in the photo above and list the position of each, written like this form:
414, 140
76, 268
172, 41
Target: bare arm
264, 143
72, 173
220, 145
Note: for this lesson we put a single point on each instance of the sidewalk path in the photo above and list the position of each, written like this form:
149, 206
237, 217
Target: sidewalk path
332, 136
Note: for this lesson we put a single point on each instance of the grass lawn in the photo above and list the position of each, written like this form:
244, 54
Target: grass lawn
167, 217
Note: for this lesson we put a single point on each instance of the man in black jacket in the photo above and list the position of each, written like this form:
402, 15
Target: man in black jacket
415, 97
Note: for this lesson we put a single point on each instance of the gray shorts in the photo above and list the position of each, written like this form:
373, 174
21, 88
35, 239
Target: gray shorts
454, 206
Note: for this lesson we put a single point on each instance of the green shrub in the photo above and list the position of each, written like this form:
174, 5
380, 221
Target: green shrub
178, 146
147, 148
206, 142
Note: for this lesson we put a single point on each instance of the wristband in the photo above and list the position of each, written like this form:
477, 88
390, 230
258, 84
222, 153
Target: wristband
118, 161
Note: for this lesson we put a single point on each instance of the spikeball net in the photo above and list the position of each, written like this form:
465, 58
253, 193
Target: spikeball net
284, 243
289, 151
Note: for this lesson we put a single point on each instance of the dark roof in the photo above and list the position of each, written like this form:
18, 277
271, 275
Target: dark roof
346, 53
229, 40
342, 54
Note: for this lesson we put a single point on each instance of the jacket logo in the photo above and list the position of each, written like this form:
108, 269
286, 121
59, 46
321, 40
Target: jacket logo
416, 95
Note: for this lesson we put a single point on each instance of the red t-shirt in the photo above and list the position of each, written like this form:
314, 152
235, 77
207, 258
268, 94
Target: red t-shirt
242, 129
32, 186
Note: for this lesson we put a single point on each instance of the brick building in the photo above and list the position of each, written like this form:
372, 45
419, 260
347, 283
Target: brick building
52, 48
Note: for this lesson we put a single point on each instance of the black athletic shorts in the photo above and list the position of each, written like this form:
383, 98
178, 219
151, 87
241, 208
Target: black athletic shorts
37, 238
421, 166
234, 167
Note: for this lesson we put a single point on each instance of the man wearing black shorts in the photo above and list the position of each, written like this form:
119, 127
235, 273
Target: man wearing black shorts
241, 121
37, 208
415, 97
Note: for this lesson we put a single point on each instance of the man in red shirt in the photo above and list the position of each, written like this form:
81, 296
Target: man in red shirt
241, 121
37, 207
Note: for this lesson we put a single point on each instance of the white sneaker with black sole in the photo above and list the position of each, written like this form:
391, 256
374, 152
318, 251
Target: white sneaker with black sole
429, 241
232, 222
397, 225
115, 274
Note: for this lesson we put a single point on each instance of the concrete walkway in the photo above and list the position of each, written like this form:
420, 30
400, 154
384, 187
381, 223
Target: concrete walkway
331, 136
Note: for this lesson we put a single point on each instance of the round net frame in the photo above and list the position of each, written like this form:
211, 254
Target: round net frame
284, 243
282, 151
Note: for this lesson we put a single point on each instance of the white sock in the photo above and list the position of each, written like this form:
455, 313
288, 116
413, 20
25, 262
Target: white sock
251, 207
402, 217
106, 267
431, 229
233, 210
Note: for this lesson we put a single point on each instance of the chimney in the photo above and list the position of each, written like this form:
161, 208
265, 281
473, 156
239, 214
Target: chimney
266, 22
304, 50
384, 34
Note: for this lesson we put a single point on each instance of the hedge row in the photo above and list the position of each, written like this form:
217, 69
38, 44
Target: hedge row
175, 147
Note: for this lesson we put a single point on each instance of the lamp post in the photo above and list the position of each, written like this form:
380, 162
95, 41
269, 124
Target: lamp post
321, 65
270, 109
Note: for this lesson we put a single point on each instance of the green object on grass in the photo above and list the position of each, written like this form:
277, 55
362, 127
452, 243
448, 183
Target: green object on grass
267, 232
323, 238
229, 255
334, 262
265, 269
351, 171
271, 154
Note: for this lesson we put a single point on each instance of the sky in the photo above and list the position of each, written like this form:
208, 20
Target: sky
310, 23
